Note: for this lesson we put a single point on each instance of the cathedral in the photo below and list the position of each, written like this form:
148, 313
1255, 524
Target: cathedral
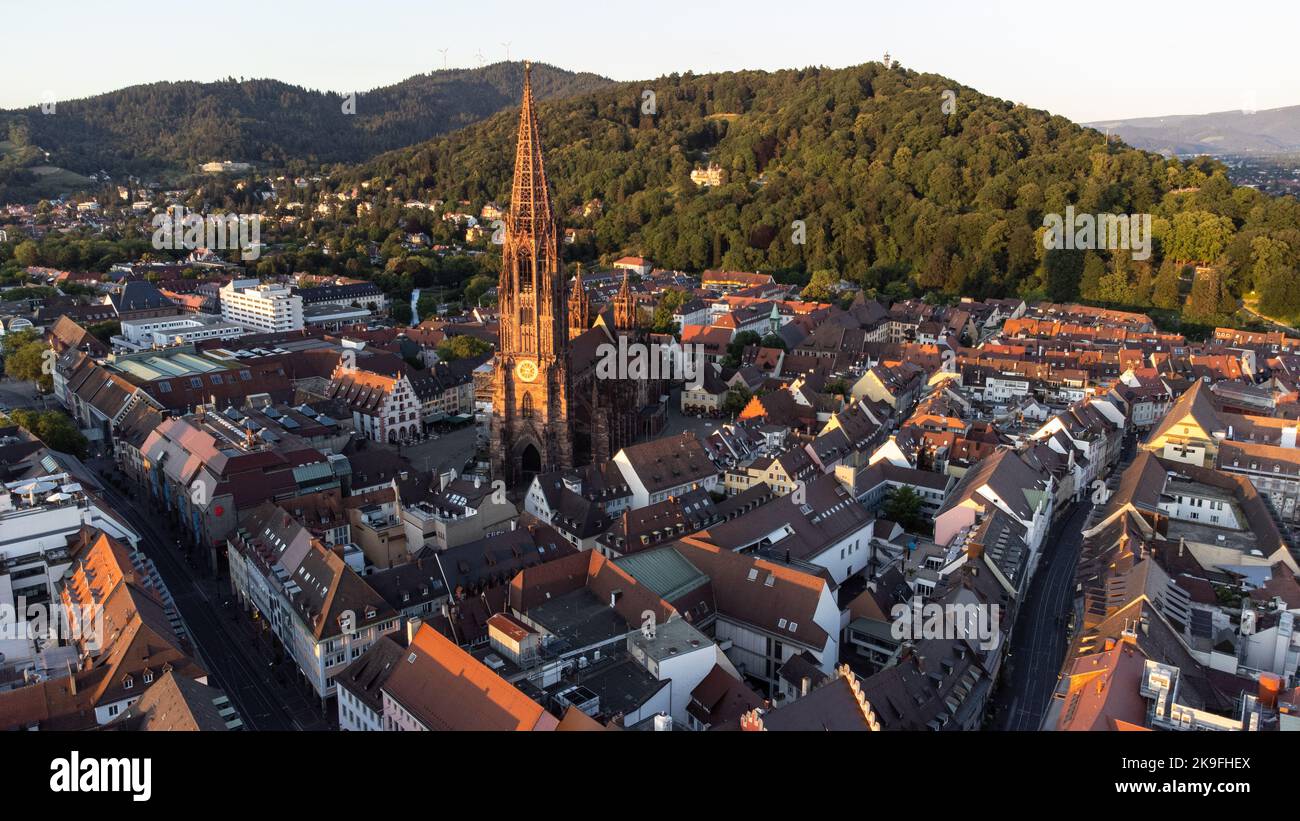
549, 410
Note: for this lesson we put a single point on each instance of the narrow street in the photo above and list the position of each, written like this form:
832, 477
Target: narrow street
239, 657
1039, 642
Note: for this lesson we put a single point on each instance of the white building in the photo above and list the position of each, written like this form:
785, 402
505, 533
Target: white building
180, 329
38, 516
661, 468
1001, 482
261, 306
317, 606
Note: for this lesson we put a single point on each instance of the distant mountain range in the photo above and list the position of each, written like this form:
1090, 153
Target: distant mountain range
902, 182
1273, 131
175, 126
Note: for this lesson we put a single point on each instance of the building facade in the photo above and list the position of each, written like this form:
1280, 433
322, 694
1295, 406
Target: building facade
263, 306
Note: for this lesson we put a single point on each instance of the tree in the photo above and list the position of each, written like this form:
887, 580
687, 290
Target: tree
1168, 293
1274, 274
477, 286
839, 387
1209, 302
462, 346
28, 364
104, 331
1280, 294
55, 429
736, 400
26, 356
1268, 256
821, 288
737, 347
1115, 288
1062, 271
1094, 271
903, 505
27, 254
669, 303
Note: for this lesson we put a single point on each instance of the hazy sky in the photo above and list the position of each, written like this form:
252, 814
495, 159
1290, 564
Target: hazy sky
1087, 61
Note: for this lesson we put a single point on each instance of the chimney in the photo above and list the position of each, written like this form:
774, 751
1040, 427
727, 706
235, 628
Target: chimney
1270, 687
804, 684
413, 627
751, 722
614, 596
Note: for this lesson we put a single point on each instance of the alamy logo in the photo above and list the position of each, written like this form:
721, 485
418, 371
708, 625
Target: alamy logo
128, 775
189, 230
637, 360
949, 622
1089, 232
41, 621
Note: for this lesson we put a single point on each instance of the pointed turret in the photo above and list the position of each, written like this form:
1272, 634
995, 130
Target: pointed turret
579, 306
531, 290
625, 305
530, 201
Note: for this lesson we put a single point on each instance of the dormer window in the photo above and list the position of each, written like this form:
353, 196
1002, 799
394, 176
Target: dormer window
128, 683
148, 677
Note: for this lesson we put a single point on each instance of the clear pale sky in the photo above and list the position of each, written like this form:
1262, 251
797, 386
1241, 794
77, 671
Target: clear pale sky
1086, 61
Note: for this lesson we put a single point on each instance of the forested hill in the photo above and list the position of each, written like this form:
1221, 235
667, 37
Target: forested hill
890, 184
150, 128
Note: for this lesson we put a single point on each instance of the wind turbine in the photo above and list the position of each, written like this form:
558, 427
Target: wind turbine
507, 45
480, 57
444, 58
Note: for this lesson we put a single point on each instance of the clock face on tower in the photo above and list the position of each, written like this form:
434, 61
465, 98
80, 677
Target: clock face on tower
526, 370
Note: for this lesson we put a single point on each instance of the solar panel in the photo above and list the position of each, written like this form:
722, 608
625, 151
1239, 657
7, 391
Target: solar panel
1202, 624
